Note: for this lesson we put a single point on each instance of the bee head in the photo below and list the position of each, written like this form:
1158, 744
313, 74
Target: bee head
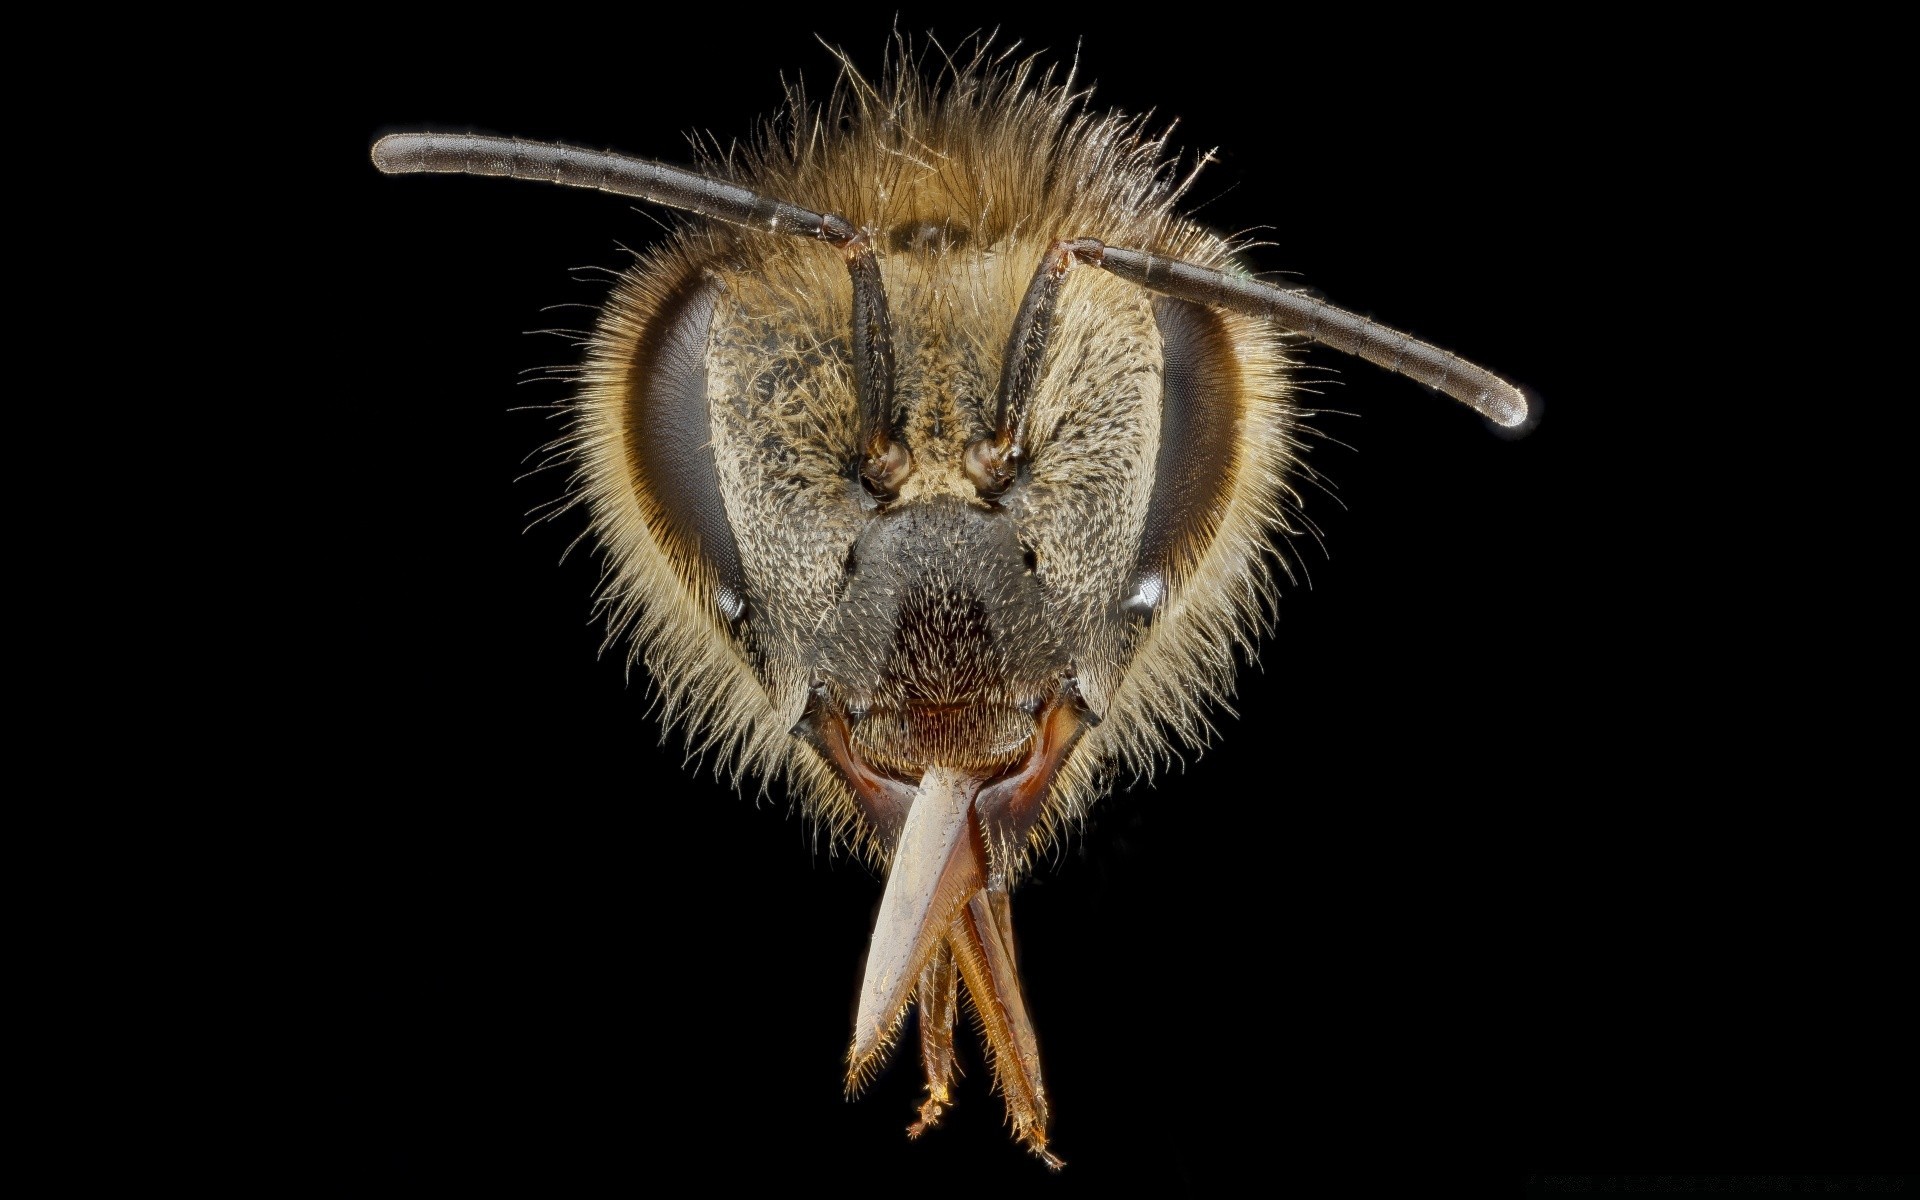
939, 467
939, 440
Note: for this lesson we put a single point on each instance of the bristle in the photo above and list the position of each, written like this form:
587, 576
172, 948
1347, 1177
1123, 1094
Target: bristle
863, 1070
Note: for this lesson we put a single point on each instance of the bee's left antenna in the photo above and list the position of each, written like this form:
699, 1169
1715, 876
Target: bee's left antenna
1348, 332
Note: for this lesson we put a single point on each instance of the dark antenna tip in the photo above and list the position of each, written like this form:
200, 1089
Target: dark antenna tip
1529, 418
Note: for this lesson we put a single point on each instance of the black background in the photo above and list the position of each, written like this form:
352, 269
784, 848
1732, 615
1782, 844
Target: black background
1460, 876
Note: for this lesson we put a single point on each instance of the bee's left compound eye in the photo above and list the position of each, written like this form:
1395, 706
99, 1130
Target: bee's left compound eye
1200, 408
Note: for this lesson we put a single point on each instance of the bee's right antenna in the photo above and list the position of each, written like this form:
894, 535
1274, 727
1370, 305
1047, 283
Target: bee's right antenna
884, 461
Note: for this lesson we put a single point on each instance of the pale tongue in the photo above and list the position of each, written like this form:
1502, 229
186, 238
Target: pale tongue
936, 868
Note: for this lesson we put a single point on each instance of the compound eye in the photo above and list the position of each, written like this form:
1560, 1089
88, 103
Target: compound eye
670, 447
1200, 407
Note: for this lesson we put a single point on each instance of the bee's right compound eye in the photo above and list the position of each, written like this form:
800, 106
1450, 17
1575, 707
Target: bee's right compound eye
669, 446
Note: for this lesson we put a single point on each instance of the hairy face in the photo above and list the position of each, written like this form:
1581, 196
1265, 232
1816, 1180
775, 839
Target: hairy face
937, 621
